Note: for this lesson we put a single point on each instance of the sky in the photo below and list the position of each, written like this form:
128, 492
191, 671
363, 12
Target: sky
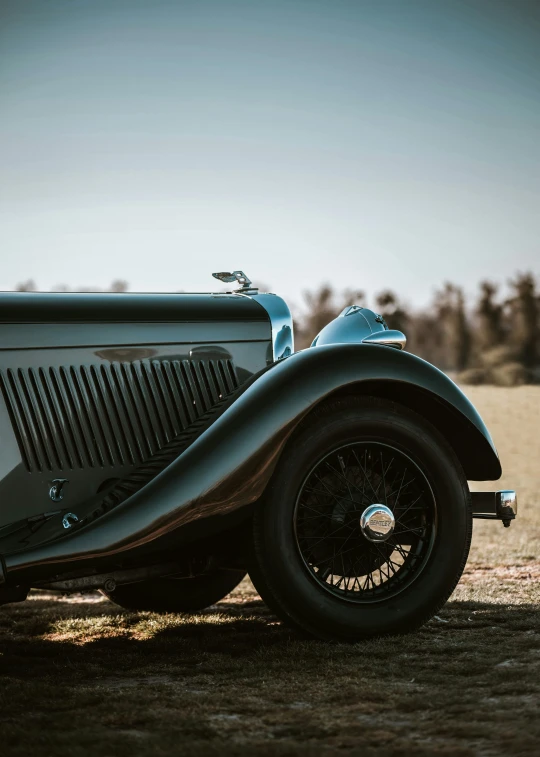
370, 144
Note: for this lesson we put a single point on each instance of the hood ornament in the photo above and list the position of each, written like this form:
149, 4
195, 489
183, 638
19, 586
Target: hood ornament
238, 276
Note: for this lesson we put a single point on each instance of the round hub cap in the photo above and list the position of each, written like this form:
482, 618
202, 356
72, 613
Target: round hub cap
377, 522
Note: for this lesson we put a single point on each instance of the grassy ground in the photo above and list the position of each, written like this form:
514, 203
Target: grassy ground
80, 676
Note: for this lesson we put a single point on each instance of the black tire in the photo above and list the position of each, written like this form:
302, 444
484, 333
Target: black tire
288, 570
177, 594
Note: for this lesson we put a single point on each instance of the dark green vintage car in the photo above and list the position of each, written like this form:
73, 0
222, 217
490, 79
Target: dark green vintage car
160, 446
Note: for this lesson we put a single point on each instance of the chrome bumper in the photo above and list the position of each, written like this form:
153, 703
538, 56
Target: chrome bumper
501, 505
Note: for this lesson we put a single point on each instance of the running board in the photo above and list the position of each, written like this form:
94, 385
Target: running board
501, 505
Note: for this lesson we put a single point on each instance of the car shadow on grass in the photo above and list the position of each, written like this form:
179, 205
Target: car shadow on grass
233, 680
41, 635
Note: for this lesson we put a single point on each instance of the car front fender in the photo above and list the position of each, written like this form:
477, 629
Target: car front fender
307, 378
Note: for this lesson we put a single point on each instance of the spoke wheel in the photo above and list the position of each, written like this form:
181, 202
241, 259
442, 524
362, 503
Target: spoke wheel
336, 551
365, 527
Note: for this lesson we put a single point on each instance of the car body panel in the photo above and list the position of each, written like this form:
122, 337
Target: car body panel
228, 467
91, 384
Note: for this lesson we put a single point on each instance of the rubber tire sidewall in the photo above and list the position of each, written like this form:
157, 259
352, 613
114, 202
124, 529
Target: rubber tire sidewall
278, 570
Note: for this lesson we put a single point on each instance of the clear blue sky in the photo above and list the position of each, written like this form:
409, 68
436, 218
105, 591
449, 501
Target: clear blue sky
367, 143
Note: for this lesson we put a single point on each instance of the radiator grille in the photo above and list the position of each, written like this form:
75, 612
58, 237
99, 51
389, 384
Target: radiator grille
109, 414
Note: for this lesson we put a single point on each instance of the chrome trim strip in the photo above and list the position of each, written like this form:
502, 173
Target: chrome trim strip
280, 320
389, 337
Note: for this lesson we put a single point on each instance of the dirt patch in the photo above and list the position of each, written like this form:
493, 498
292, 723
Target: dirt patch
528, 572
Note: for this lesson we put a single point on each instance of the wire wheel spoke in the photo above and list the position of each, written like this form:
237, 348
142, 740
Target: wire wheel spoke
338, 552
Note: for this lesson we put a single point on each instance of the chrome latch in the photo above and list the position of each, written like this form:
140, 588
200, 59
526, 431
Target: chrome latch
55, 492
69, 520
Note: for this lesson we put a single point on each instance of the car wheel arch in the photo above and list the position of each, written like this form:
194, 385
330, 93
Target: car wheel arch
471, 448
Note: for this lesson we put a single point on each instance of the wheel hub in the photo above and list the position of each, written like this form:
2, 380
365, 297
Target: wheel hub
377, 523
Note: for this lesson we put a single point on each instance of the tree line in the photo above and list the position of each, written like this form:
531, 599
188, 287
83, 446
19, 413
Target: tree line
495, 339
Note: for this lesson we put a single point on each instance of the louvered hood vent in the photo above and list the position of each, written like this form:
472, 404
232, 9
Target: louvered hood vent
109, 414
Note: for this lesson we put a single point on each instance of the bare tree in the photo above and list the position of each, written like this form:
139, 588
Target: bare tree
489, 331
523, 310
392, 310
26, 286
119, 285
425, 337
450, 309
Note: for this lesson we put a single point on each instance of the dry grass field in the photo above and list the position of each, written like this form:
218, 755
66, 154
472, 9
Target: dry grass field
80, 676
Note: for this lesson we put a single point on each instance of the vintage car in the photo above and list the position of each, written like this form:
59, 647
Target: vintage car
158, 447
